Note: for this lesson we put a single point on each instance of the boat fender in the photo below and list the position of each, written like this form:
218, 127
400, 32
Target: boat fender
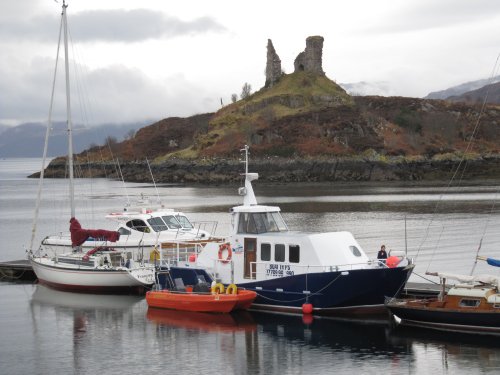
392, 261
154, 255
307, 308
225, 247
232, 289
217, 288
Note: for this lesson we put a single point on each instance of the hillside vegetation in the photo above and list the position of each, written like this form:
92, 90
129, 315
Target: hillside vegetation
307, 117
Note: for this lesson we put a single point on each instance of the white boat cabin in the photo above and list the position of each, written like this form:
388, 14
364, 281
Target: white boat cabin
155, 223
141, 228
261, 247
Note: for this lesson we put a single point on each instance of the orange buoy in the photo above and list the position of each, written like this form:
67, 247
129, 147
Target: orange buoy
307, 308
392, 262
226, 247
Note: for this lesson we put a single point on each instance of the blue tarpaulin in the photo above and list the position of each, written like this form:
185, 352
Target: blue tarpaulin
493, 262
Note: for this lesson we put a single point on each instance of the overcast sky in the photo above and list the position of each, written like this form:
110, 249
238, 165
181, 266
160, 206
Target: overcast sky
152, 59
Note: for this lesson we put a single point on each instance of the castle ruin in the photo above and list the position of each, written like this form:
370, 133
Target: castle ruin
310, 60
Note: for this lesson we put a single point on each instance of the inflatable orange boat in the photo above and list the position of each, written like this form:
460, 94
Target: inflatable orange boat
215, 301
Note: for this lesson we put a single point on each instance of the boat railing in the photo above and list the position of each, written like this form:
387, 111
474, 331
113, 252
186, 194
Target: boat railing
207, 226
137, 254
172, 253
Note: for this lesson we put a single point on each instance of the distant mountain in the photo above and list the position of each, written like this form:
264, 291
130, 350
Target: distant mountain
3, 128
461, 89
477, 96
27, 140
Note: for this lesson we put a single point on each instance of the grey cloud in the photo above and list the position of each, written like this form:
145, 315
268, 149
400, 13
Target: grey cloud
109, 26
112, 94
430, 14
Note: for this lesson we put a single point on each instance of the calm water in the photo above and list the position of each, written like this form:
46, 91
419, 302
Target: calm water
45, 331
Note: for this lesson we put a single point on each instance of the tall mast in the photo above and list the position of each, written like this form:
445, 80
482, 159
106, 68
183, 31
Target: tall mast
68, 113
46, 144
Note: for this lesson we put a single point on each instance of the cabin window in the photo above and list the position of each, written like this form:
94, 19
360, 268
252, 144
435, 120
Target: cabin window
171, 222
265, 251
469, 302
294, 253
280, 223
138, 225
355, 251
261, 222
279, 253
183, 220
124, 232
157, 224
246, 224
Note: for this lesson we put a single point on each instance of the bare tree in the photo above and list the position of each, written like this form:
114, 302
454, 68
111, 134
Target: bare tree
246, 90
130, 134
234, 98
111, 142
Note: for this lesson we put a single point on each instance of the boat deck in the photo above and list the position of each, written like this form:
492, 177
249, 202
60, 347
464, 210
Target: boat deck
420, 290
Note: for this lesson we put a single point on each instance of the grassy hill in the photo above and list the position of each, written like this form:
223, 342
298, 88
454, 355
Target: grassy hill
306, 121
250, 119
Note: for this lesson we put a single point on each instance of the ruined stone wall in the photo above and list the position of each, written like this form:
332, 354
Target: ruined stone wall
273, 65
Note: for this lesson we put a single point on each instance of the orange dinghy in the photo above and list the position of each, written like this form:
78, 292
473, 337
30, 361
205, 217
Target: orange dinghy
202, 302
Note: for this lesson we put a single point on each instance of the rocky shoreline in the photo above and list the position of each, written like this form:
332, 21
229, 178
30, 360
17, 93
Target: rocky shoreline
275, 169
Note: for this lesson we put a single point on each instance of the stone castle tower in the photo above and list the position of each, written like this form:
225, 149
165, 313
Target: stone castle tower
311, 60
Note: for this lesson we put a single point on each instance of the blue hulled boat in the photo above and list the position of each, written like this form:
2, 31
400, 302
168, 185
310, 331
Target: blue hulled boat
287, 269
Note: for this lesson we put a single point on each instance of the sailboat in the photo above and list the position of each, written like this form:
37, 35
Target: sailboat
470, 306
291, 272
101, 269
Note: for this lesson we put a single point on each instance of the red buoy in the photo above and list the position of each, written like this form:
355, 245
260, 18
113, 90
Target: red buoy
192, 258
307, 308
392, 262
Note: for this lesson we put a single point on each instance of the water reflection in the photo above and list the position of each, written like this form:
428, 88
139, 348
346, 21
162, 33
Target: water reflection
78, 333
80, 321
239, 321
457, 352
44, 296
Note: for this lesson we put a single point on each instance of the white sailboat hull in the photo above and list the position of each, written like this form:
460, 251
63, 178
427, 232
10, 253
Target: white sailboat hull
92, 280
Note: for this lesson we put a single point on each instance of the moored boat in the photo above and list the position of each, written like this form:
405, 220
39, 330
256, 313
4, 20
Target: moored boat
288, 269
141, 227
471, 306
100, 268
201, 301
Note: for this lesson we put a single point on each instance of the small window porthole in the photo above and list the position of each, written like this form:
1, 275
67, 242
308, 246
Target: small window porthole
279, 253
355, 251
294, 253
469, 302
265, 252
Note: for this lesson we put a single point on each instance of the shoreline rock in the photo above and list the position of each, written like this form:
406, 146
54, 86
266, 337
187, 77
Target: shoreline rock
284, 170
